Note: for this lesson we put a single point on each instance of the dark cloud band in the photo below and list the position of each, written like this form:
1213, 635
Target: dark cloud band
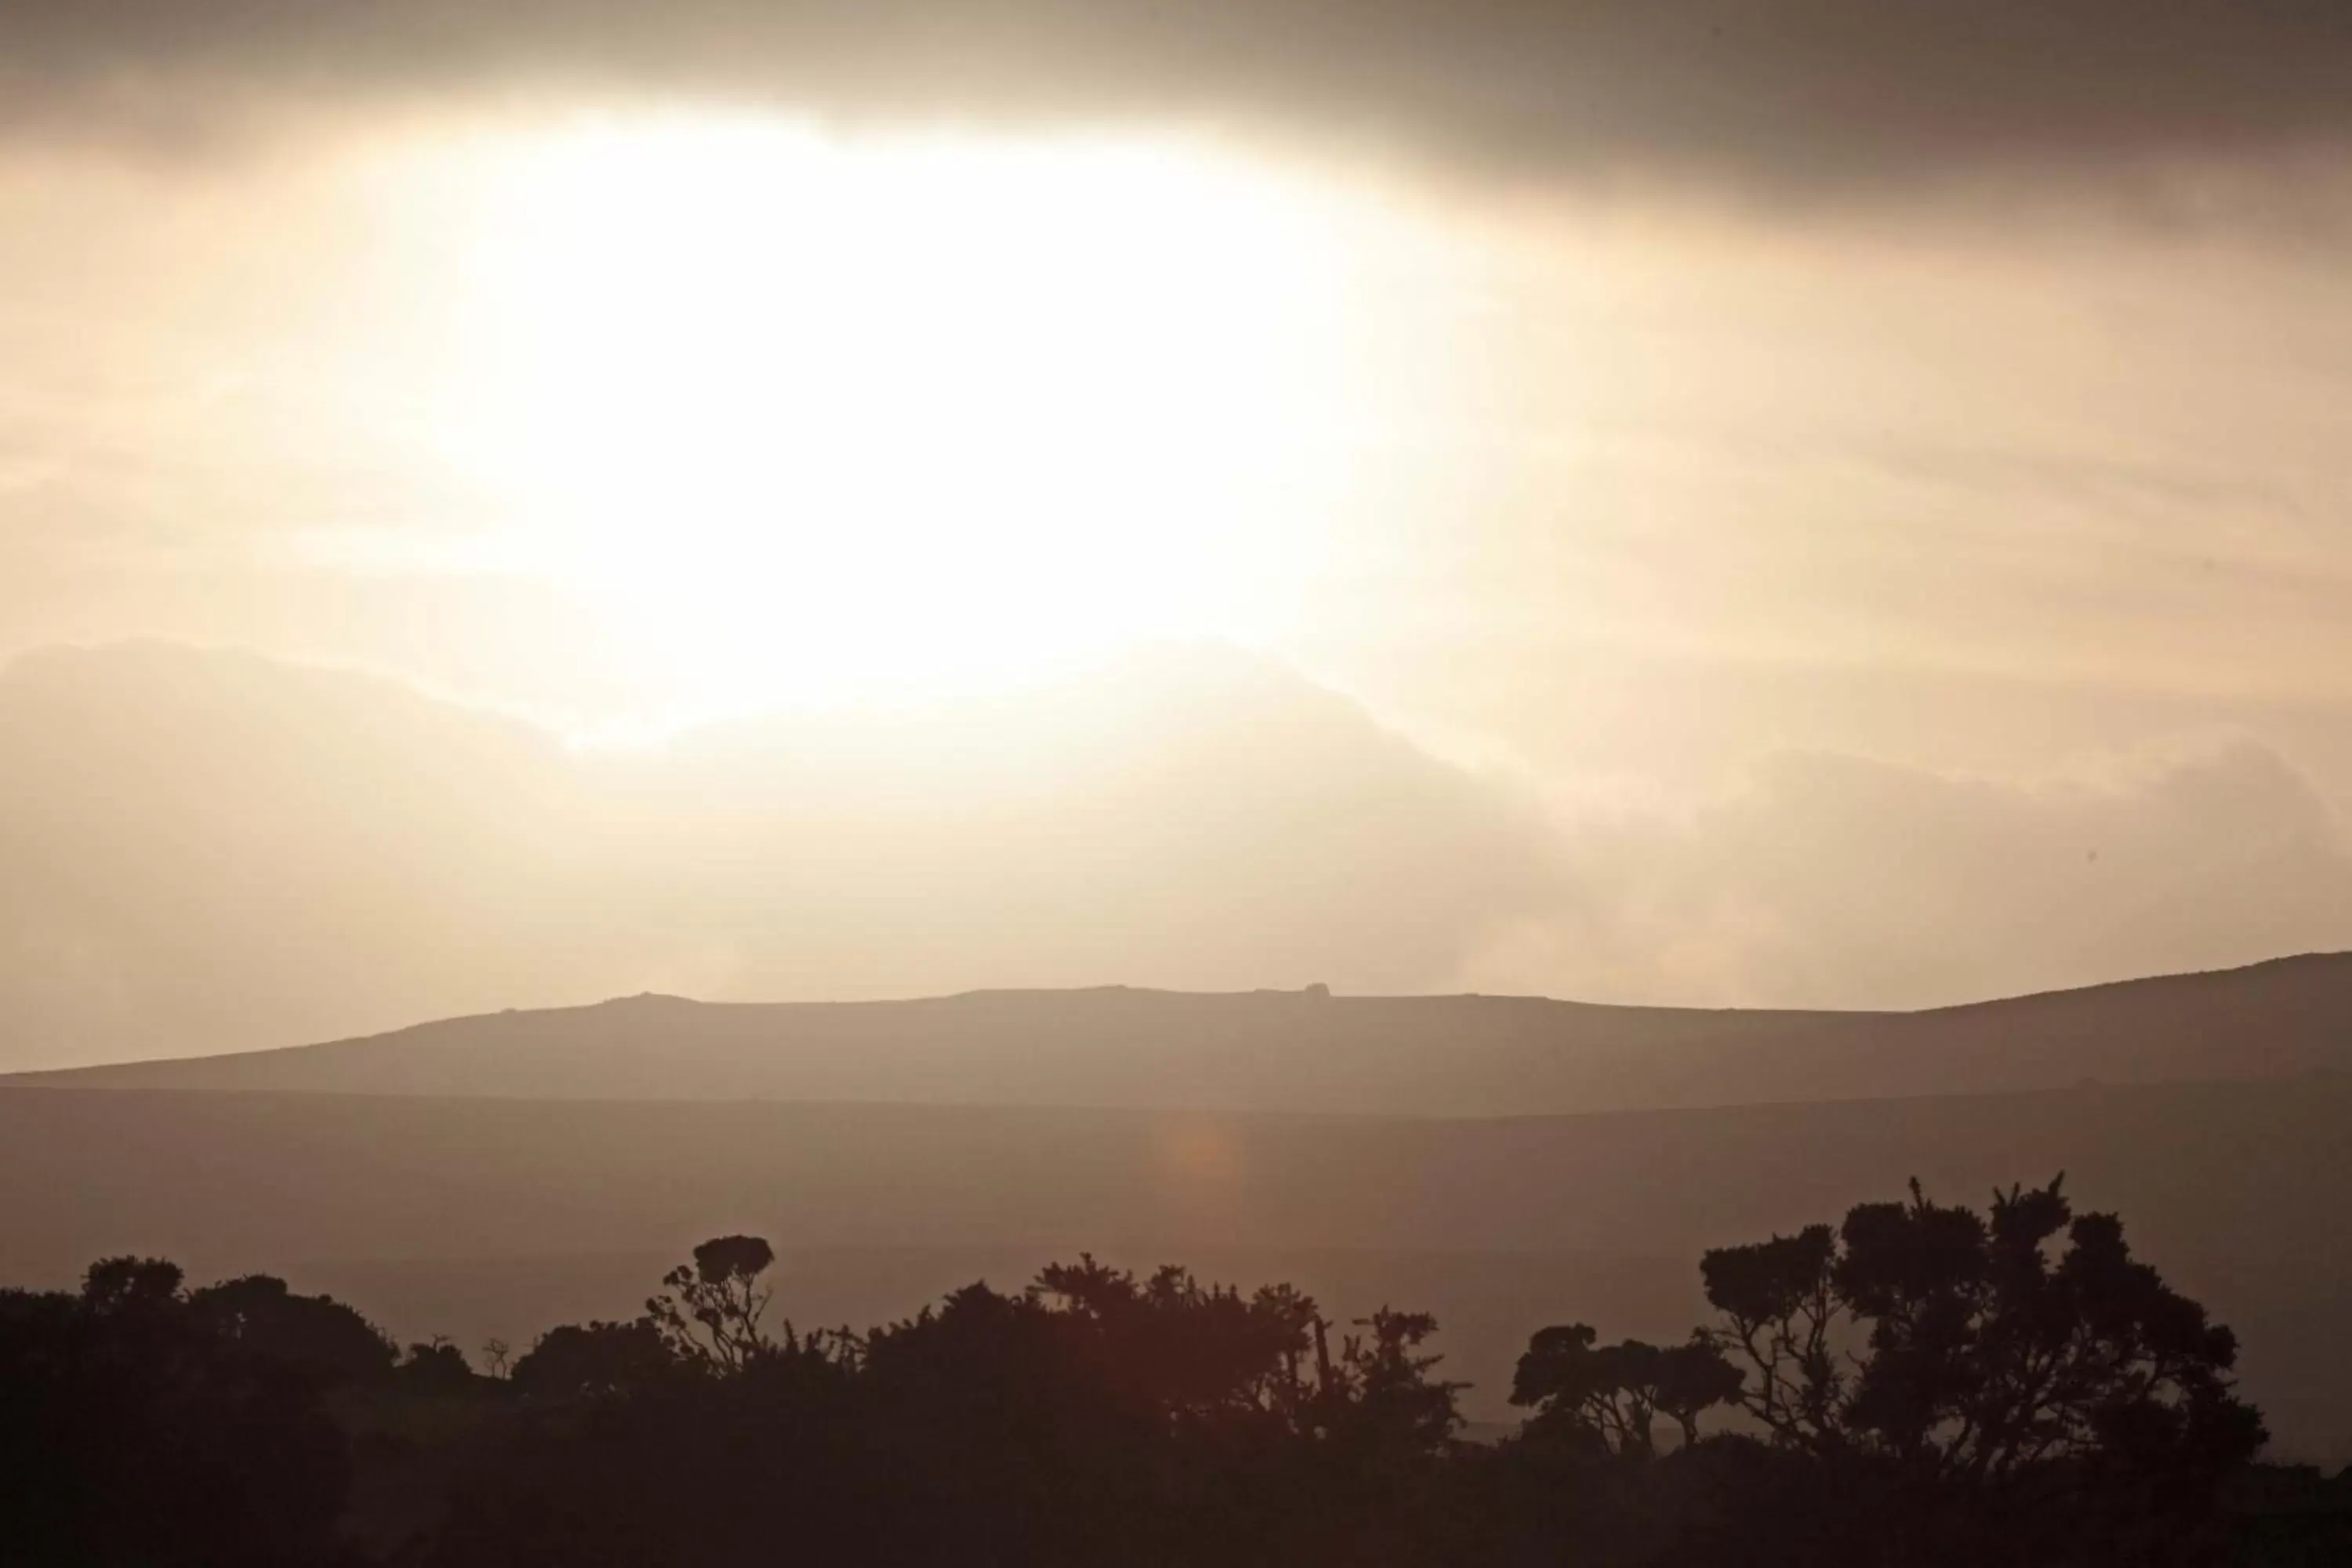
1830, 95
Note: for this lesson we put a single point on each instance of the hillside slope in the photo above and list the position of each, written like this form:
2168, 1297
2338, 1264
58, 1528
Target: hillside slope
1439, 1056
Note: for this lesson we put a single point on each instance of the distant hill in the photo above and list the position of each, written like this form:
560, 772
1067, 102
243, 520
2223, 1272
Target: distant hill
1420, 1056
474, 1216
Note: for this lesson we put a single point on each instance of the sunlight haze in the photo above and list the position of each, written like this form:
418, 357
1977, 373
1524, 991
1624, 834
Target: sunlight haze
1749, 569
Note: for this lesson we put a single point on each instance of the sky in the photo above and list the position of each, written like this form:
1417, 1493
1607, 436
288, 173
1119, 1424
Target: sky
1821, 504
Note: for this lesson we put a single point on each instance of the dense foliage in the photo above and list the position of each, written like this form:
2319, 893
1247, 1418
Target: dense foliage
1921, 1385
139, 1425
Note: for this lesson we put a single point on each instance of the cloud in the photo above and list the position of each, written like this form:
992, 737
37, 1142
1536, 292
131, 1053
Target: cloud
1785, 97
1828, 881
211, 850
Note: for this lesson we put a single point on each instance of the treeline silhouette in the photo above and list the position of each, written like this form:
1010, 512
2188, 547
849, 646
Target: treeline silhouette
1922, 1385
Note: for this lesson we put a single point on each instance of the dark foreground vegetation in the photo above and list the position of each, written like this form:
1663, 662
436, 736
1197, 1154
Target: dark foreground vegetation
1923, 1385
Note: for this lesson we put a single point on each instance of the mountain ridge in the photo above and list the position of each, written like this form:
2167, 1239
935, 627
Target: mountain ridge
1463, 1055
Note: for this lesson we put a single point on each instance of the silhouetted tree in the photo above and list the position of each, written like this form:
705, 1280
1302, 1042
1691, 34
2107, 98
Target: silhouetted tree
1921, 1387
1988, 1354
1194, 1351
132, 1431
1378, 1393
124, 1286
1985, 1367
593, 1358
710, 1310
1093, 1418
438, 1364
315, 1333
1613, 1394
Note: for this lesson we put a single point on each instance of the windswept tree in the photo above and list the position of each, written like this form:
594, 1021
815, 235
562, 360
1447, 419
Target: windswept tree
1922, 1383
2018, 1362
1780, 1316
1990, 1348
710, 1311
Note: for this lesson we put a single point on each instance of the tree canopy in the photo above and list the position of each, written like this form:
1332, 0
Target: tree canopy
1919, 1386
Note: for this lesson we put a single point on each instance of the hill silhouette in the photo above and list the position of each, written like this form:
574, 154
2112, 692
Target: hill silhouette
1416, 1056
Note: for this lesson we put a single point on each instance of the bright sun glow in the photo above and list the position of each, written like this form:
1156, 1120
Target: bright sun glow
804, 415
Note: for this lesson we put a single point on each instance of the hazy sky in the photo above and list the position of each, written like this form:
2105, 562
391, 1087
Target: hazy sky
1823, 503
